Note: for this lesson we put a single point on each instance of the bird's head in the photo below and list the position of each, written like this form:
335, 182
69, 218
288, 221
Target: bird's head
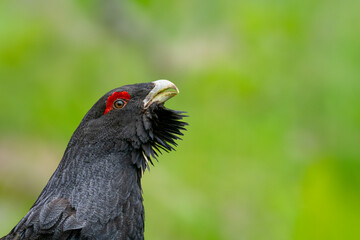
133, 118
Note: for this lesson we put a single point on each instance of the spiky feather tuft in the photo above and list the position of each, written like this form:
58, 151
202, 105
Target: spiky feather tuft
163, 127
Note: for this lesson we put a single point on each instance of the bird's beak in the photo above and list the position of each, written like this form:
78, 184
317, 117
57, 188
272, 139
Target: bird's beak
162, 91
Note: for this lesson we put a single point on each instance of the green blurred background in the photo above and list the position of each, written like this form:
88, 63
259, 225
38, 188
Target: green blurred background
272, 89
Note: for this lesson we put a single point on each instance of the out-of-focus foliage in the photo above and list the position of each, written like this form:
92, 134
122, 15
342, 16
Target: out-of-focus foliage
272, 89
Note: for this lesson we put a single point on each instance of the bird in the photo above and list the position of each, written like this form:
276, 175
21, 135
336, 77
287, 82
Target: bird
95, 192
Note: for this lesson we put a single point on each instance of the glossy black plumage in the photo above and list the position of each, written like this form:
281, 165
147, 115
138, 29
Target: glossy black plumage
95, 193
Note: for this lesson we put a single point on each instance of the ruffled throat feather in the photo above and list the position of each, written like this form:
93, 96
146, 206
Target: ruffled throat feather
163, 127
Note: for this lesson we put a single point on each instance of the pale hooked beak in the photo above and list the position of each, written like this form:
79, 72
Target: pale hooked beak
162, 91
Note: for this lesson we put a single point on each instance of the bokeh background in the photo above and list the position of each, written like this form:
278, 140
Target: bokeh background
272, 89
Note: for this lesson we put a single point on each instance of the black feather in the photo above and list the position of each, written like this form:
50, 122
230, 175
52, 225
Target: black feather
95, 193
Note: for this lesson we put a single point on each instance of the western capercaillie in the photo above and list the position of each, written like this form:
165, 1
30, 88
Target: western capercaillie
95, 192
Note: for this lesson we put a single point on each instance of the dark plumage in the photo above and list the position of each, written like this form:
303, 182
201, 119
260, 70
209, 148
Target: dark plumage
95, 192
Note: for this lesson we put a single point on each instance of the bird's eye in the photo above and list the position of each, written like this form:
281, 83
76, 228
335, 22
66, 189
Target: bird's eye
119, 103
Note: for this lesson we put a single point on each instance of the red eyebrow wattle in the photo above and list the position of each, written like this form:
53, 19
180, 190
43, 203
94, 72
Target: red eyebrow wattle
116, 95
